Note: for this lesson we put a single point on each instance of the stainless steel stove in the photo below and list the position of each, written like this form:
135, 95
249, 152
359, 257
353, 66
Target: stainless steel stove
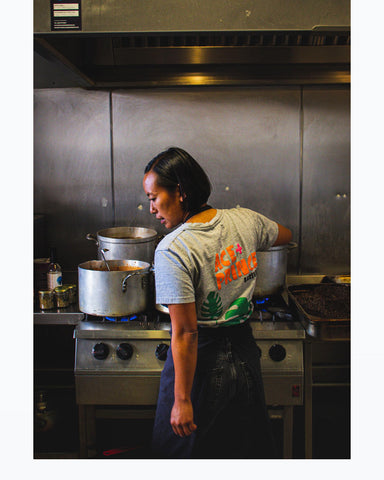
118, 362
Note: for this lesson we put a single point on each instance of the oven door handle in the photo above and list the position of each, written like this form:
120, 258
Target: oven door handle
137, 272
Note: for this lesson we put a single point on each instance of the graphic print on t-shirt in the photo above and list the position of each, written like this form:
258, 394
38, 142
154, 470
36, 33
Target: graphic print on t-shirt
212, 307
229, 267
237, 312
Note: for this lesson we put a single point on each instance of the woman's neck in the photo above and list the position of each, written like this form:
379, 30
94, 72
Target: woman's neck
202, 217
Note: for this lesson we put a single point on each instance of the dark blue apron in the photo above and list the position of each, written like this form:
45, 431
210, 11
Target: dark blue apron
227, 398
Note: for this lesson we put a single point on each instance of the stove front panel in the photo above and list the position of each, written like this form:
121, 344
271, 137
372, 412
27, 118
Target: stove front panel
135, 381
281, 357
277, 356
143, 359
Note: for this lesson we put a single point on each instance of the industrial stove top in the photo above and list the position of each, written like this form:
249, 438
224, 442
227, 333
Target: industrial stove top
271, 318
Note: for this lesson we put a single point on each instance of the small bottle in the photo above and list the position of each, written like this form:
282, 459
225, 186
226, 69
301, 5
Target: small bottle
54, 275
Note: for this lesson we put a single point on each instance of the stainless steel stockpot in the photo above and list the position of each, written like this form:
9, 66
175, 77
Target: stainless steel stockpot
272, 270
126, 242
124, 290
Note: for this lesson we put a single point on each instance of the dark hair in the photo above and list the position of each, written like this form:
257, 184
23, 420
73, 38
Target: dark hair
177, 168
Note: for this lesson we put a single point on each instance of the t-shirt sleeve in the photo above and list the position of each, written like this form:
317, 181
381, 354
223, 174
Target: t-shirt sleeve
267, 231
173, 282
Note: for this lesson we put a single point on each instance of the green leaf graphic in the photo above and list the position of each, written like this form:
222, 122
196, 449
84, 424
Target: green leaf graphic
239, 310
212, 307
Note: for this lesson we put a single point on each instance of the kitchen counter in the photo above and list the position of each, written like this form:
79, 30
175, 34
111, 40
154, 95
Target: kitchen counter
58, 316
72, 315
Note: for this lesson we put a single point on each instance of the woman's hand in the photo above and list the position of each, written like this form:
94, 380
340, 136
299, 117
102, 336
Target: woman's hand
182, 418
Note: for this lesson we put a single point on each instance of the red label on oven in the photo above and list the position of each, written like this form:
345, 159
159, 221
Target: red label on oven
295, 390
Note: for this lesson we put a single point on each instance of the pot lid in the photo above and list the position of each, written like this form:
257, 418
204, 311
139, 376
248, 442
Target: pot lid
127, 234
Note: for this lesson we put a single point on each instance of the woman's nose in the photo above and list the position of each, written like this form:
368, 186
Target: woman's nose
152, 208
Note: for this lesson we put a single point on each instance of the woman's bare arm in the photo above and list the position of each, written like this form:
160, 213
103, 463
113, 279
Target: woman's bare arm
184, 351
284, 236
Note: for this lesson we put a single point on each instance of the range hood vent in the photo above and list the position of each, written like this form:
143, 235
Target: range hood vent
191, 42
235, 39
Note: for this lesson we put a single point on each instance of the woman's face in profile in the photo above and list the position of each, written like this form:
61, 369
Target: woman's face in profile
166, 205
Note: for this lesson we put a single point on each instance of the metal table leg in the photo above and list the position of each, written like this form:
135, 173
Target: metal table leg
87, 431
308, 398
288, 431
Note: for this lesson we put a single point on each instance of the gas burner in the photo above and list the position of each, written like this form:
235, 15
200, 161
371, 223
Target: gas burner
271, 309
114, 320
273, 314
121, 319
264, 315
261, 302
281, 315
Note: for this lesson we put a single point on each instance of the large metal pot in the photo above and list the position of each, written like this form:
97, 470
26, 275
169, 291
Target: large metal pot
121, 243
272, 270
124, 290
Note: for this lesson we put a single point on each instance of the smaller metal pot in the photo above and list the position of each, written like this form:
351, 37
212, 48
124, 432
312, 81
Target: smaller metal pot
126, 242
272, 270
124, 290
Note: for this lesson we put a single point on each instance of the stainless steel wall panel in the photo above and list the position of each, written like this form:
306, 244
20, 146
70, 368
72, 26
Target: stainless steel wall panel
72, 169
326, 181
247, 139
199, 15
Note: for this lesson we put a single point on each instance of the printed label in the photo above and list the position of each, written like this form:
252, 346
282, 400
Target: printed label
65, 16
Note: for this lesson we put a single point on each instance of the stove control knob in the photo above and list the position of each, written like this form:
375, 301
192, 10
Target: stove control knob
161, 351
277, 352
100, 351
124, 351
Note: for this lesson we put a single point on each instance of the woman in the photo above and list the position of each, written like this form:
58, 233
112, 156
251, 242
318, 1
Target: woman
211, 399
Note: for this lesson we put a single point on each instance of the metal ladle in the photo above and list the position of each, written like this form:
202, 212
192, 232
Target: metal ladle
103, 250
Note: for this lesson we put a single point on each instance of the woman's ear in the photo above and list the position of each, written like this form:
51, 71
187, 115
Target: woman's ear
181, 194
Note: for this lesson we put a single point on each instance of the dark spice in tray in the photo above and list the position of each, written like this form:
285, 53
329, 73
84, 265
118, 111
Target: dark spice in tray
326, 301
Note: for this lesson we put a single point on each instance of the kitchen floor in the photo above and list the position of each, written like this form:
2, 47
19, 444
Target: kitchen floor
119, 438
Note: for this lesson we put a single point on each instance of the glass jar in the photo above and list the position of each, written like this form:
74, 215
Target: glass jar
62, 297
72, 290
46, 299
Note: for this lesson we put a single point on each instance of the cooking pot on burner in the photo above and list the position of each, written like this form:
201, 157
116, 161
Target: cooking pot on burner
126, 242
272, 270
124, 290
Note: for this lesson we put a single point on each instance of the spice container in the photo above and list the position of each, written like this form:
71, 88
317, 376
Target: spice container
62, 297
72, 290
46, 299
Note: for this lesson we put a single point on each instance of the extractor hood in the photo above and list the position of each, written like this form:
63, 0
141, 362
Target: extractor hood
152, 43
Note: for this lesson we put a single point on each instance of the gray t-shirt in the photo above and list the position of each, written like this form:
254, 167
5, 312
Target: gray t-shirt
214, 264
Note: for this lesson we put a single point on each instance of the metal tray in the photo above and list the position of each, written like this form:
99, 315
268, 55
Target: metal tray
319, 326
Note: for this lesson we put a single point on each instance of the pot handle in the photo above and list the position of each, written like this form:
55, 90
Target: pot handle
124, 281
137, 272
291, 245
91, 236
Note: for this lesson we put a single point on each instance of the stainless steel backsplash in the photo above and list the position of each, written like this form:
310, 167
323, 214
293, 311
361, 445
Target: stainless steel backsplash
283, 151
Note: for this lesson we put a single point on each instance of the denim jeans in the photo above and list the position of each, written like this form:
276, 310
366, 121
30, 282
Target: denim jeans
227, 397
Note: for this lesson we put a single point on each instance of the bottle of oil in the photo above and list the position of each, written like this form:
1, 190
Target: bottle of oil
54, 275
